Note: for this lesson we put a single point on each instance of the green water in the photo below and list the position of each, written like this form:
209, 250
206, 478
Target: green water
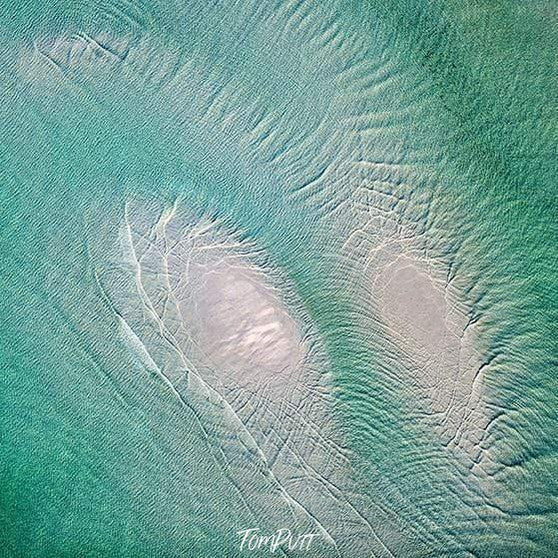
259, 115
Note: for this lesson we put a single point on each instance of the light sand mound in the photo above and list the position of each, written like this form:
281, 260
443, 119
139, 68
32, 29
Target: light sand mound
227, 335
414, 306
241, 324
429, 330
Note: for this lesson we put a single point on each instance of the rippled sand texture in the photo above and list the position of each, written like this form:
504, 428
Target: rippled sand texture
279, 265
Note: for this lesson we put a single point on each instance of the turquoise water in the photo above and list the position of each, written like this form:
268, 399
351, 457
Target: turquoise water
383, 177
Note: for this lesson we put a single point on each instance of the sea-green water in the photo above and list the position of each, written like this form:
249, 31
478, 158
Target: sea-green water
278, 265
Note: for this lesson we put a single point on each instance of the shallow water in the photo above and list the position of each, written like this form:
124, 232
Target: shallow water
278, 265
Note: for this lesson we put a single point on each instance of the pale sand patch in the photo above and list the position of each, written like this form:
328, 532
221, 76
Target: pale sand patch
429, 329
241, 323
227, 333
